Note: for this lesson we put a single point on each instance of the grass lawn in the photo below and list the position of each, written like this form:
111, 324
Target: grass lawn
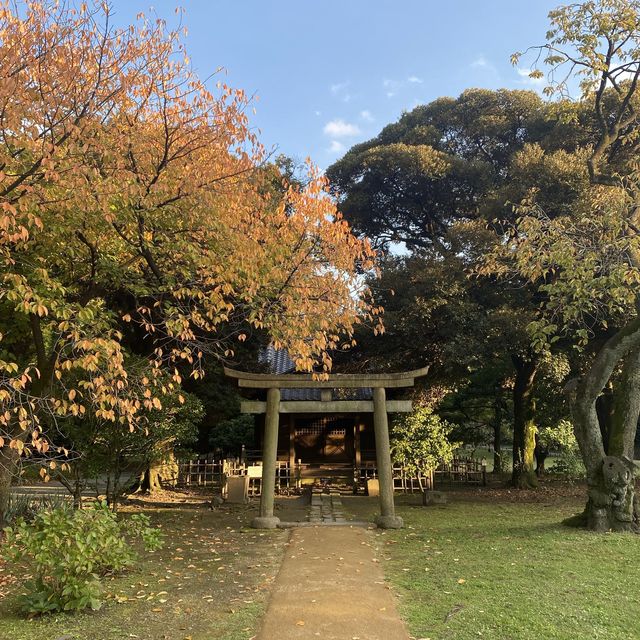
492, 564
510, 571
210, 581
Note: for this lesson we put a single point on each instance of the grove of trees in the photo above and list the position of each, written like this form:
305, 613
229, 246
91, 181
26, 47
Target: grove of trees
509, 225
146, 236
144, 232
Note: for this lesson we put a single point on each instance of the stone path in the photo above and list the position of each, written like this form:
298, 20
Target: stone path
331, 586
326, 508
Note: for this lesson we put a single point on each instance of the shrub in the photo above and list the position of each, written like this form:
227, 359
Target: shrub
569, 461
569, 464
420, 441
67, 552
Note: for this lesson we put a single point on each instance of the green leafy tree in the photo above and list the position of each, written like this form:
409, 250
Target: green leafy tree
441, 181
101, 451
420, 441
231, 435
585, 263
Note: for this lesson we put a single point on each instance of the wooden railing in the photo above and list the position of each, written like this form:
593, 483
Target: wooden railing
209, 472
461, 470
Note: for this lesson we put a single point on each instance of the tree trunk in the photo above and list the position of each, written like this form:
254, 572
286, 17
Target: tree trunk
116, 488
497, 433
74, 487
8, 459
162, 471
605, 411
524, 428
611, 496
541, 453
610, 471
150, 479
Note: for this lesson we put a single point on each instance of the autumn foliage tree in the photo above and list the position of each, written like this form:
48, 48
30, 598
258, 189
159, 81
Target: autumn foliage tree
135, 209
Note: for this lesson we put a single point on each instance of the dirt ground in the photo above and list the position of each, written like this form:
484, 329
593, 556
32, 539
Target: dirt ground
331, 586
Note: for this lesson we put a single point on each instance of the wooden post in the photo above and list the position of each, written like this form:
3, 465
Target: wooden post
357, 456
387, 518
266, 519
292, 443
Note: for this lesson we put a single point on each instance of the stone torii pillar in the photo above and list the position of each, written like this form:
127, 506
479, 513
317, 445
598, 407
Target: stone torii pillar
266, 519
387, 518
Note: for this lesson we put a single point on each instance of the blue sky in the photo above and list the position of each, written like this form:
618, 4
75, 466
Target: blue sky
329, 73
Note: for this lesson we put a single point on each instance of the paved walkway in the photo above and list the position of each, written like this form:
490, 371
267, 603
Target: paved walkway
331, 586
326, 507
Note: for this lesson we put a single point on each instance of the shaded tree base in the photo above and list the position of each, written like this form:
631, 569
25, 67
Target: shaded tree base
527, 480
578, 521
148, 482
582, 521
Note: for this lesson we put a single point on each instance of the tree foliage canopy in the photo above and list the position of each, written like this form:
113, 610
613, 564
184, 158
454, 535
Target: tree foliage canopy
454, 160
138, 209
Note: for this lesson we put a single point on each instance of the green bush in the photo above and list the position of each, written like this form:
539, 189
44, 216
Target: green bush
420, 441
67, 552
569, 464
561, 437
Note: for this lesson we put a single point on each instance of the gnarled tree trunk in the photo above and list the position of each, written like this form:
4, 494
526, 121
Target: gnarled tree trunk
610, 469
162, 470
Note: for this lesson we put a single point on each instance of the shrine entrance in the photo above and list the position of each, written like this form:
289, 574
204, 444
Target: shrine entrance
323, 440
329, 433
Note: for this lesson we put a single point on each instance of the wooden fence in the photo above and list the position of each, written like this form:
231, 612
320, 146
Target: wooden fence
210, 472
464, 471
460, 471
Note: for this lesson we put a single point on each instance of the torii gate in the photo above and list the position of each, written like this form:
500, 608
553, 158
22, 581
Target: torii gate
379, 406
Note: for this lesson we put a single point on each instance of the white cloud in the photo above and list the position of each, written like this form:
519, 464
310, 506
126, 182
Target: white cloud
336, 147
393, 87
524, 74
480, 62
483, 66
338, 128
340, 90
365, 115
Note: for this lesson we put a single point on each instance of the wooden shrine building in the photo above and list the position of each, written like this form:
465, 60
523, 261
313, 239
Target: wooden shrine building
339, 420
